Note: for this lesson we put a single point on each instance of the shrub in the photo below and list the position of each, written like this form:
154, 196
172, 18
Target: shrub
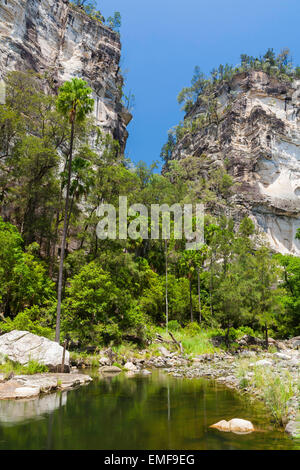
192, 329
33, 367
173, 325
23, 322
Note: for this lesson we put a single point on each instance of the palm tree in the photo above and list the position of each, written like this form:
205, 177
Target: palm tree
74, 102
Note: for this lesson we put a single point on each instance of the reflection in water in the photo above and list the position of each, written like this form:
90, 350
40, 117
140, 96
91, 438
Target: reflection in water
154, 412
19, 411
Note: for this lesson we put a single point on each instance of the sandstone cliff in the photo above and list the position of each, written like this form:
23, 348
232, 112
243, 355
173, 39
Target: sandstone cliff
52, 37
257, 139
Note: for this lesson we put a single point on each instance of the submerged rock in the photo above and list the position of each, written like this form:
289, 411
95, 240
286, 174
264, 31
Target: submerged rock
22, 346
236, 425
110, 370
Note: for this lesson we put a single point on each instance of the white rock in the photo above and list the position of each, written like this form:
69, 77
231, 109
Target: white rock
164, 351
104, 361
22, 346
285, 357
221, 426
130, 366
240, 425
263, 362
110, 370
236, 425
27, 392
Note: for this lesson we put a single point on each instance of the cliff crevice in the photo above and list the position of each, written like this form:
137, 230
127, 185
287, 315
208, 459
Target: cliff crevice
53, 38
257, 140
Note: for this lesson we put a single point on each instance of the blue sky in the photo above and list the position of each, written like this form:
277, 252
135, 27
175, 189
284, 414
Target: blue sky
163, 40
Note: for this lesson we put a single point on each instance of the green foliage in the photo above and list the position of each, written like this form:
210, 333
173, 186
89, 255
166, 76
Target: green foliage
274, 389
192, 329
114, 22
281, 66
29, 320
288, 323
173, 325
74, 99
23, 279
114, 290
90, 8
31, 368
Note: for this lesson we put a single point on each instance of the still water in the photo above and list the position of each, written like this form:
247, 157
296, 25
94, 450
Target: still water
153, 412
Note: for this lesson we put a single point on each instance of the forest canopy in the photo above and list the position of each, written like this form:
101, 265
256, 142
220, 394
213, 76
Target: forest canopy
114, 290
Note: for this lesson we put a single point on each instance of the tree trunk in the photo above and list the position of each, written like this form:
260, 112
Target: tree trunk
210, 291
191, 300
64, 237
199, 297
167, 305
227, 335
267, 336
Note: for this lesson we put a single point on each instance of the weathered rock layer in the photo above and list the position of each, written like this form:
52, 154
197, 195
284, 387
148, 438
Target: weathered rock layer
257, 139
53, 38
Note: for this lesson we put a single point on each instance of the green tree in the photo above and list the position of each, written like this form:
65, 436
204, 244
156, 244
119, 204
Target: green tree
266, 293
23, 279
115, 21
288, 323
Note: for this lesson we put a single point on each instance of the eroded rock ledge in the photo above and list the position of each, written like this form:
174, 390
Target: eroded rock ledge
59, 42
257, 140
31, 386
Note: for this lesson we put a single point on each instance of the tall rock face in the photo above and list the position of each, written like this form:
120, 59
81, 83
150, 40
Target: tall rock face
54, 38
257, 140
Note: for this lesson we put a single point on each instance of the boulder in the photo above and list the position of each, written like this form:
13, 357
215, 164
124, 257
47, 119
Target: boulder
27, 392
282, 356
110, 370
294, 362
221, 426
164, 351
295, 342
293, 428
104, 361
281, 345
236, 425
263, 362
22, 346
248, 340
31, 386
130, 366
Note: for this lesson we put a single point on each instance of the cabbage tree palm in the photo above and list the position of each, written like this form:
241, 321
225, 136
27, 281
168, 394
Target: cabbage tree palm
74, 102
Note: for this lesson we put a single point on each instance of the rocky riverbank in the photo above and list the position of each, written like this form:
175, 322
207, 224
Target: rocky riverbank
32, 386
244, 372
272, 377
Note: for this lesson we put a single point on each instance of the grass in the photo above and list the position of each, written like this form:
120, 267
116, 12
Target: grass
31, 368
193, 344
275, 390
91, 360
197, 343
